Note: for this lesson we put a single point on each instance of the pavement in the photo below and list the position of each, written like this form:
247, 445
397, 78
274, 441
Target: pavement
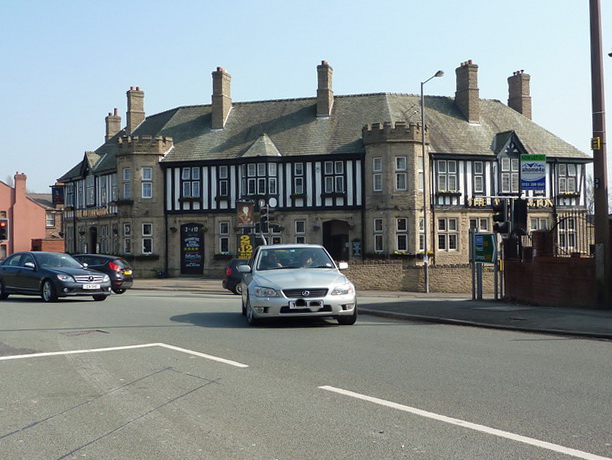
458, 309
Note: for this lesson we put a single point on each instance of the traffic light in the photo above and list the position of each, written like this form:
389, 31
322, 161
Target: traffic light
519, 216
500, 216
4, 229
263, 219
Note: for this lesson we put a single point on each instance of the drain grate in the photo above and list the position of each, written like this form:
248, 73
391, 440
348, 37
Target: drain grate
90, 331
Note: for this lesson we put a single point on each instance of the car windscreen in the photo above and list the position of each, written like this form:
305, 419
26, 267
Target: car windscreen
56, 261
273, 259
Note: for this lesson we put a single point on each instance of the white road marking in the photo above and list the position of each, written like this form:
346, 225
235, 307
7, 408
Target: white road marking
128, 347
469, 425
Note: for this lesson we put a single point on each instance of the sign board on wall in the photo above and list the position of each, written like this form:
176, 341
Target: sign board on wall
192, 249
533, 172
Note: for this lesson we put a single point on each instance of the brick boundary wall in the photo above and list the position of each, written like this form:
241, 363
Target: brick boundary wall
552, 281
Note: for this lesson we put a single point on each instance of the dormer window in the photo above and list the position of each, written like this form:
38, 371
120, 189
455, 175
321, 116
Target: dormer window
510, 175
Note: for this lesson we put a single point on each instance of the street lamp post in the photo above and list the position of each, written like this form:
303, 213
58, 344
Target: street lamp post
439, 73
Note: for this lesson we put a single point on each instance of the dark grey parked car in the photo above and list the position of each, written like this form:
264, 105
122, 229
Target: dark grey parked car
233, 277
50, 275
117, 268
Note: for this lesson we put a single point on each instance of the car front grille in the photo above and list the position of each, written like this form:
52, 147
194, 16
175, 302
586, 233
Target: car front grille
305, 293
89, 278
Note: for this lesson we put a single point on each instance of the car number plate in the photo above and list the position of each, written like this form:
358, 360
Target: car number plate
91, 286
127, 272
306, 304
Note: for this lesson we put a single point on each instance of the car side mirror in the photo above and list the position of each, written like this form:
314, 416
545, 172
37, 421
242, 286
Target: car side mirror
244, 268
342, 265
29, 265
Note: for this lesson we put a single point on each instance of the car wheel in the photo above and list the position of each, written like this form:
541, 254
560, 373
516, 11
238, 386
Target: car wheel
118, 291
99, 297
3, 293
238, 289
348, 320
250, 314
47, 292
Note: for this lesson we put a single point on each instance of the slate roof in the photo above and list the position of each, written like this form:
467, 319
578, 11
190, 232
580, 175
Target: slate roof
290, 127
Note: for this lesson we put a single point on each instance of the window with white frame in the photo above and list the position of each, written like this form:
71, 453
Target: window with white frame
510, 175
401, 234
103, 239
147, 238
114, 189
91, 193
224, 230
401, 176
70, 194
447, 176
259, 179
481, 224
190, 182
478, 177
538, 223
377, 177
448, 234
126, 184
300, 231
298, 178
127, 245
50, 218
147, 185
379, 236
333, 176
567, 178
223, 181
567, 233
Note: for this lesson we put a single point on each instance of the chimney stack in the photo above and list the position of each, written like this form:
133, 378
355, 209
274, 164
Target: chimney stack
20, 187
467, 96
325, 94
135, 112
221, 98
519, 98
113, 125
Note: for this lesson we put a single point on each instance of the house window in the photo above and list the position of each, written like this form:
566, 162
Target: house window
259, 179
50, 219
224, 229
401, 177
377, 177
91, 195
481, 224
510, 175
538, 223
190, 182
147, 185
334, 176
567, 178
378, 235
421, 234
103, 239
127, 245
300, 231
567, 234
447, 176
127, 230
478, 177
127, 188
223, 181
298, 178
70, 195
147, 241
401, 234
448, 234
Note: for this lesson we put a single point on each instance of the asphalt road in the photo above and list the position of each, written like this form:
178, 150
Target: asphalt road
166, 375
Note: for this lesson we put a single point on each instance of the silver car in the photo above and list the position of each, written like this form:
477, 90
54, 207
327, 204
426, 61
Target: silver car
296, 280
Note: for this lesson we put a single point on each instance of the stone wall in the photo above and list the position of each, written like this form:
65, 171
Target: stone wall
395, 275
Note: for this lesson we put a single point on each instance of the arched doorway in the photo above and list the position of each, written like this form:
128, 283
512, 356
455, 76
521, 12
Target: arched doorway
336, 239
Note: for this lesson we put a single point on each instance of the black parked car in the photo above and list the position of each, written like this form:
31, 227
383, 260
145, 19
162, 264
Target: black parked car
232, 279
117, 268
50, 275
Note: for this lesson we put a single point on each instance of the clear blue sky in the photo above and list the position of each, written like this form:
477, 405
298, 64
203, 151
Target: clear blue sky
67, 63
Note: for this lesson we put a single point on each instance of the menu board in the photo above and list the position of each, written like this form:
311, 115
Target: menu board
192, 249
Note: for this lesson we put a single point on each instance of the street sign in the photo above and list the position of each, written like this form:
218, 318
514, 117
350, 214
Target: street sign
485, 248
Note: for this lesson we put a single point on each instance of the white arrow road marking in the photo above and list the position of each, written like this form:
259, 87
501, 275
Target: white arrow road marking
129, 347
469, 425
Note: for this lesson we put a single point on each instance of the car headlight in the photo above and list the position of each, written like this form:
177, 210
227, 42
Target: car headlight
260, 291
63, 277
106, 278
343, 289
